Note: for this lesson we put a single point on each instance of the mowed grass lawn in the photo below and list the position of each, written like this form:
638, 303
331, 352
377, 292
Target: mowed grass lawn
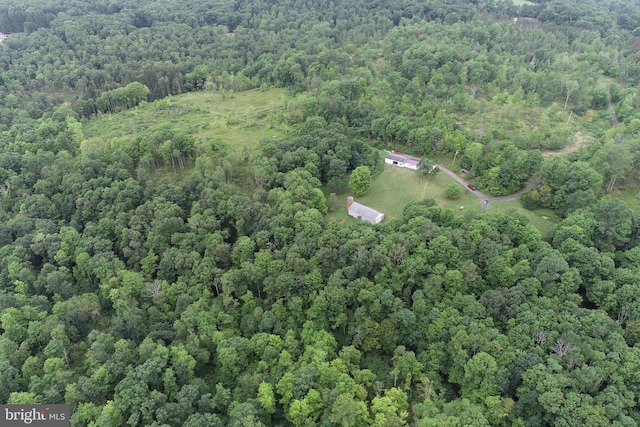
396, 187
240, 120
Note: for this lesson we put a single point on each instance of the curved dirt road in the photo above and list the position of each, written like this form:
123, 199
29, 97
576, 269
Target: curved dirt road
480, 194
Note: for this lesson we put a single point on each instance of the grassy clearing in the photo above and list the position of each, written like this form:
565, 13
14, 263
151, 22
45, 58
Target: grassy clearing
522, 2
240, 120
395, 187
631, 196
503, 117
580, 140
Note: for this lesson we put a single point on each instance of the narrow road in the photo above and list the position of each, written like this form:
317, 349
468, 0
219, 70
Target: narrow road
480, 194
485, 198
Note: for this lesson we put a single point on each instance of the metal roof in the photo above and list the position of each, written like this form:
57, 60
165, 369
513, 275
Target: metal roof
396, 157
365, 212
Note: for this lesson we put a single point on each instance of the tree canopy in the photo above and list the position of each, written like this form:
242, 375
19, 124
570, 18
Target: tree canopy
168, 277
360, 180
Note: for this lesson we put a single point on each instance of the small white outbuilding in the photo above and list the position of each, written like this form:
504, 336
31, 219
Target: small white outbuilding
363, 212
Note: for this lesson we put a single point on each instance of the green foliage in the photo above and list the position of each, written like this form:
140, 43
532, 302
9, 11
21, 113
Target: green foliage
614, 223
427, 167
453, 191
172, 264
122, 98
360, 180
566, 186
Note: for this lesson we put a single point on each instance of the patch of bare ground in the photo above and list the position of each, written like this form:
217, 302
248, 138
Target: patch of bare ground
580, 140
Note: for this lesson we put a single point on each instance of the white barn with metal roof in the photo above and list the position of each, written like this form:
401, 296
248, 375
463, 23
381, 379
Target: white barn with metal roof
400, 160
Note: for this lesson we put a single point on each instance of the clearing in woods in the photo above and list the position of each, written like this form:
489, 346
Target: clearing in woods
580, 140
396, 187
238, 120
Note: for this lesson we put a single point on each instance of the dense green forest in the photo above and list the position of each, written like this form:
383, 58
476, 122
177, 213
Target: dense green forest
166, 279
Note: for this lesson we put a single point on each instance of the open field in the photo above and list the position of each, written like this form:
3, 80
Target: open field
240, 120
551, 129
395, 187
